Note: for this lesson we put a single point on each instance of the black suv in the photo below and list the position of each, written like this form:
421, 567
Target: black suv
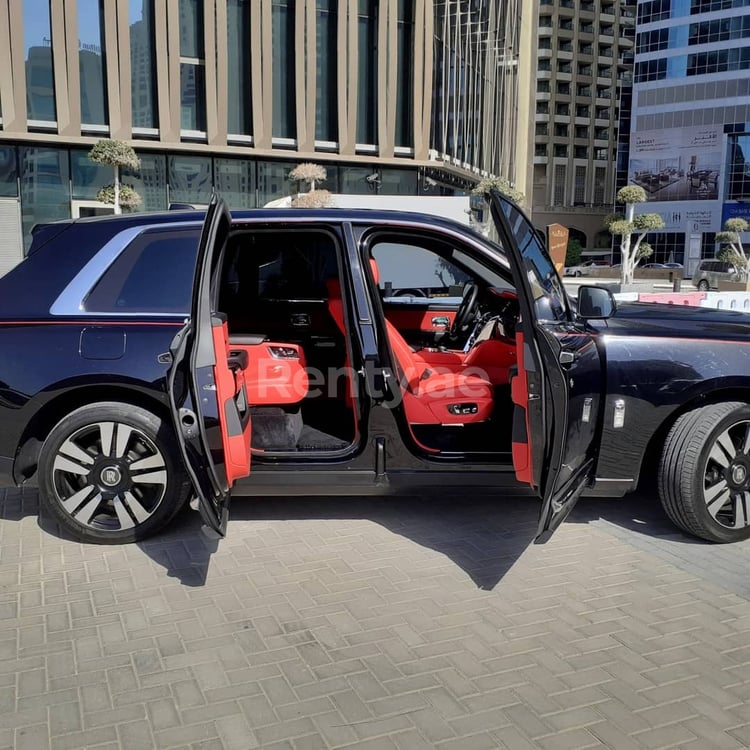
148, 359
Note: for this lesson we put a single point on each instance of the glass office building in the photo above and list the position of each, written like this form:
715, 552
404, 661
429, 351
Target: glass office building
422, 96
690, 130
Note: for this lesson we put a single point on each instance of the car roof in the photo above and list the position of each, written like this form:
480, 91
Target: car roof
274, 215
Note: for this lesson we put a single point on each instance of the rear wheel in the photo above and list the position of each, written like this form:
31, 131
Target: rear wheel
110, 473
704, 473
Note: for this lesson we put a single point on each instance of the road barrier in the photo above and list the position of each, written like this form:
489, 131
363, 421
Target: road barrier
739, 301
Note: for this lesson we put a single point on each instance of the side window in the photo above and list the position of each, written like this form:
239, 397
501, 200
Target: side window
276, 266
410, 270
153, 274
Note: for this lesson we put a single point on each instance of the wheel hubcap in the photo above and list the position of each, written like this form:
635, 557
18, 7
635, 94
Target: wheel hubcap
109, 476
726, 478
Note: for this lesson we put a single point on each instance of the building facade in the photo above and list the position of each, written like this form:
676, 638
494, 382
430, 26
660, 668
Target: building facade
690, 136
391, 96
585, 62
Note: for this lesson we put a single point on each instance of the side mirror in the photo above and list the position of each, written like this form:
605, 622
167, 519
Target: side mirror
595, 303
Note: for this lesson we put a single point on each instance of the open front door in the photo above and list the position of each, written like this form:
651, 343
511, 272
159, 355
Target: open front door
206, 386
557, 391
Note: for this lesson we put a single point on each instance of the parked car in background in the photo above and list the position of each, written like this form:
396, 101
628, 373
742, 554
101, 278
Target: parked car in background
673, 265
648, 266
710, 272
152, 359
585, 268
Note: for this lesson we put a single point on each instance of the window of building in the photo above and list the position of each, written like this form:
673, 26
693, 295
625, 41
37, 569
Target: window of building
583, 89
192, 67
558, 193
564, 66
542, 108
404, 92
601, 134
235, 181
91, 63
651, 70
150, 181
45, 186
190, 179
585, 48
601, 154
738, 166
581, 152
86, 176
561, 130
273, 180
142, 64
654, 10
582, 131
40, 78
600, 176
652, 41
326, 92
707, 6
562, 109
543, 86
579, 191
563, 87
540, 149
669, 247
585, 69
284, 107
8, 172
367, 83
560, 150
135, 281
583, 110
719, 30
239, 69
541, 128
718, 61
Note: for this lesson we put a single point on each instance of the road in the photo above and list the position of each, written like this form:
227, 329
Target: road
415, 622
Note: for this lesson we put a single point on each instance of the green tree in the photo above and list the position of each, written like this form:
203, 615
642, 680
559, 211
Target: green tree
632, 228
116, 154
574, 253
732, 250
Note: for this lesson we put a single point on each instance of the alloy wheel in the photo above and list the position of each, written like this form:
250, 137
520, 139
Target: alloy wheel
109, 476
726, 477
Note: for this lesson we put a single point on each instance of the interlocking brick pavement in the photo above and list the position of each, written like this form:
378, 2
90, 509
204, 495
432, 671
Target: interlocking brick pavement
399, 624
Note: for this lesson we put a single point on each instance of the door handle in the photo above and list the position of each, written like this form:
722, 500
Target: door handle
567, 358
441, 320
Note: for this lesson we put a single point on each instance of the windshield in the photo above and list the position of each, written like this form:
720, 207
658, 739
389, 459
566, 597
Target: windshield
550, 299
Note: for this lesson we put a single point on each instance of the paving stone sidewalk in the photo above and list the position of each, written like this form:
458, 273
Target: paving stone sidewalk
393, 624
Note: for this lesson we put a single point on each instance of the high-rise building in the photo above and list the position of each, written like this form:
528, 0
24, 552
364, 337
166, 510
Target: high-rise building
690, 136
585, 59
421, 97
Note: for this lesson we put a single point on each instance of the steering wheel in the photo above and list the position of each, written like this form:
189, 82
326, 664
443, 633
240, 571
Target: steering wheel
466, 310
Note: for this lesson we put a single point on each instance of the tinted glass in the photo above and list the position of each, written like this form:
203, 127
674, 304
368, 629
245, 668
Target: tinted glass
40, 81
142, 64
239, 78
154, 274
550, 301
91, 63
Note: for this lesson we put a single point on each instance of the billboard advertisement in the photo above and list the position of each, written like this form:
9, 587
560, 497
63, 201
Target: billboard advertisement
680, 164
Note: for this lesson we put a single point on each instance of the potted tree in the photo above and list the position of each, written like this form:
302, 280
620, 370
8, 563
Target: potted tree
632, 228
733, 252
118, 155
311, 174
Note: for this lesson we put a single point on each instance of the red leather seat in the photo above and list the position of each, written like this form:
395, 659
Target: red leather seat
431, 396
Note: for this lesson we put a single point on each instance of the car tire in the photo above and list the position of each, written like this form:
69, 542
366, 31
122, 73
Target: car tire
704, 472
110, 473
703, 285
577, 274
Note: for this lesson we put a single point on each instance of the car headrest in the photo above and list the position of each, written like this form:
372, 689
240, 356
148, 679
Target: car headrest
375, 270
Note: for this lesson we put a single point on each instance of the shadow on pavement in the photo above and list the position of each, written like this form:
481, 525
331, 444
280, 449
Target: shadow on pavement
483, 536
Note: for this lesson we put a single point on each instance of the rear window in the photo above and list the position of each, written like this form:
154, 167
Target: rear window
154, 274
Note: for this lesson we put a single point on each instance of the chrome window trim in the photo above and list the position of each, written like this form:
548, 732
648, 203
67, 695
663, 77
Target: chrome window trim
71, 301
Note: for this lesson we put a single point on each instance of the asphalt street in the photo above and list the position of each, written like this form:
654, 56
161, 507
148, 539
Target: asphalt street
415, 622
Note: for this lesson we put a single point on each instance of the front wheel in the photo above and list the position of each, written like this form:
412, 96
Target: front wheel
110, 473
703, 285
704, 472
